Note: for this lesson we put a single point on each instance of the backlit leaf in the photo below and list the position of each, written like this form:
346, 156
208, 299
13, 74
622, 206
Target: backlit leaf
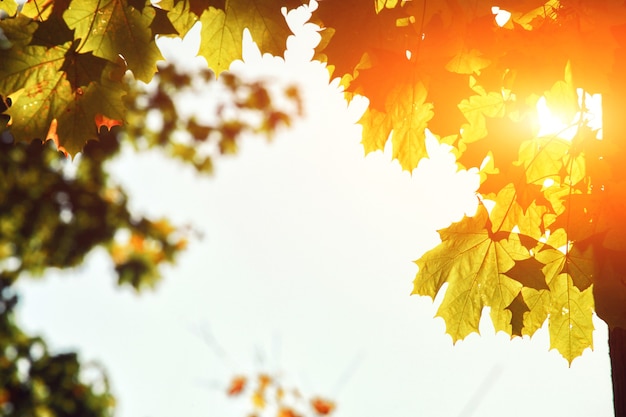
570, 321
473, 261
222, 30
49, 84
409, 114
108, 28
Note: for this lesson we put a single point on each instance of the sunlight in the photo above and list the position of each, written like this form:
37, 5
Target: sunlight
502, 16
550, 125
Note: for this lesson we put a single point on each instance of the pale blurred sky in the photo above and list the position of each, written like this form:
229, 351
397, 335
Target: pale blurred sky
305, 269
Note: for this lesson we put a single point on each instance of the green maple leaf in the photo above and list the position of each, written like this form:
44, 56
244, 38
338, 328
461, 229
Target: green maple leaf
56, 92
108, 28
474, 262
222, 31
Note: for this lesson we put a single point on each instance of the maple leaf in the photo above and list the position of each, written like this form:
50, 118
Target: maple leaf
405, 115
222, 31
570, 319
560, 255
180, 15
197, 7
9, 7
109, 28
376, 128
409, 116
351, 20
473, 261
539, 304
36, 77
477, 108
508, 214
529, 273
161, 24
518, 309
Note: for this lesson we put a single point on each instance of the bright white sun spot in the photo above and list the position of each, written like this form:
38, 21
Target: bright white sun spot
502, 16
552, 125
408, 54
489, 204
549, 182
565, 248
591, 116
592, 103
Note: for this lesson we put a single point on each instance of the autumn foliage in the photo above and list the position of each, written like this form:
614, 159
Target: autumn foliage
548, 233
547, 243
269, 396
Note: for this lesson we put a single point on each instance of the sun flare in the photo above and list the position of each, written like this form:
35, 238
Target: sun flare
590, 115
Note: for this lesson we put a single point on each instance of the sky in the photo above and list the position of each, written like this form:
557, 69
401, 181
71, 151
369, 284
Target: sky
304, 270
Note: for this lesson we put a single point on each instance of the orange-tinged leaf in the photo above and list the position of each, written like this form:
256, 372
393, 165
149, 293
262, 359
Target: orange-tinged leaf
409, 117
322, 406
103, 121
53, 136
237, 385
477, 108
287, 412
467, 62
264, 381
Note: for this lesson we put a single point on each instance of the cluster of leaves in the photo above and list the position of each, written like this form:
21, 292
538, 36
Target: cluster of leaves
74, 73
548, 236
547, 240
51, 217
239, 108
62, 63
34, 382
268, 393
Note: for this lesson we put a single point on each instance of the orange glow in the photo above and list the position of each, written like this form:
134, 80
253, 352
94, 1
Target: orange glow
552, 125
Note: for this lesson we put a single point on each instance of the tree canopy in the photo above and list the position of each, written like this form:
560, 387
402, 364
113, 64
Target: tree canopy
547, 241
